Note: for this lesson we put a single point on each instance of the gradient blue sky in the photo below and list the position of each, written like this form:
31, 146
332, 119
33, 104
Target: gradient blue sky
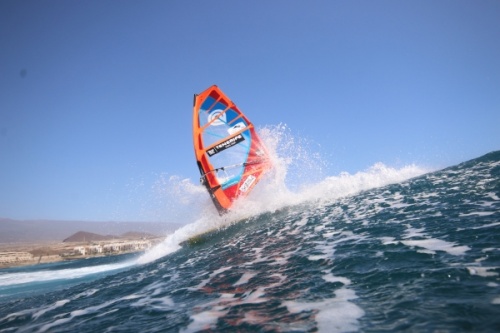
96, 96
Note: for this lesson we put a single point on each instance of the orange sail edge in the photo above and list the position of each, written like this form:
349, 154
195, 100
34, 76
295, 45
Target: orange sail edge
225, 140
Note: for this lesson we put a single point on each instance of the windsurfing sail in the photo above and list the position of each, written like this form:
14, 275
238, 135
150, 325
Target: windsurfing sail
230, 155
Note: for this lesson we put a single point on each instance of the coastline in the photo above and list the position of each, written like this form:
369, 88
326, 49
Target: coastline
28, 254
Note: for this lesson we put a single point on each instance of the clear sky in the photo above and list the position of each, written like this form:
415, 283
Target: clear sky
96, 96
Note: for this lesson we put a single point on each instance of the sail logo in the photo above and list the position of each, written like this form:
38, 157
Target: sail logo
247, 183
226, 144
217, 118
236, 128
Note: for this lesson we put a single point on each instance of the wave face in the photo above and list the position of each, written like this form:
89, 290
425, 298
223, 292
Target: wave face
419, 255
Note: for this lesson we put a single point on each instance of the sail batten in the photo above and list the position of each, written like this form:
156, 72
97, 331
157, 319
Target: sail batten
230, 155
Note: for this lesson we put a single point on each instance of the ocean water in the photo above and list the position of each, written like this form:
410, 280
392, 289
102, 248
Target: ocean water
386, 250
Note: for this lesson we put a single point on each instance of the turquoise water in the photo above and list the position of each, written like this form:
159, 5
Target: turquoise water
422, 255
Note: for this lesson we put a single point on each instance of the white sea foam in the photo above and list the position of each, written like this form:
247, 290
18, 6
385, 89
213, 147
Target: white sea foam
334, 315
10, 279
204, 320
77, 313
388, 240
482, 271
295, 165
162, 303
211, 276
412, 232
329, 277
433, 244
54, 306
244, 278
429, 244
493, 196
487, 226
476, 214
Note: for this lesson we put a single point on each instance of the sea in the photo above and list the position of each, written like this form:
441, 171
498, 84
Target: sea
384, 250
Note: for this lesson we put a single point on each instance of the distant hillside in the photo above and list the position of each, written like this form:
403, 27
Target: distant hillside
83, 236
137, 235
26, 231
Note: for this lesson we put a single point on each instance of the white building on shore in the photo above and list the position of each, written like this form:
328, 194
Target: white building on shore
113, 247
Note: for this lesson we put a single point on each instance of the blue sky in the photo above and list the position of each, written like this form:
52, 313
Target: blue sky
96, 96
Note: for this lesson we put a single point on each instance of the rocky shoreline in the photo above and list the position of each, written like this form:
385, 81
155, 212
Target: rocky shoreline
25, 254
